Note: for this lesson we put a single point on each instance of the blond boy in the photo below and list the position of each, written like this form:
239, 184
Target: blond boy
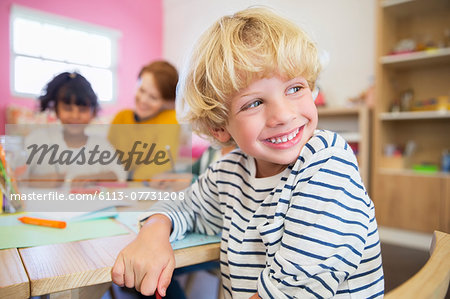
295, 218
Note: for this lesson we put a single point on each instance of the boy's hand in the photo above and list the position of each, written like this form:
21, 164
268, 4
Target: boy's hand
147, 263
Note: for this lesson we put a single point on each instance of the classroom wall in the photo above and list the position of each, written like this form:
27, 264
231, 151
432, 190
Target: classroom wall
344, 28
139, 21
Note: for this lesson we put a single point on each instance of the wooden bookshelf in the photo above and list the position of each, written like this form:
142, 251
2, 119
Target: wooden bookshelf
405, 198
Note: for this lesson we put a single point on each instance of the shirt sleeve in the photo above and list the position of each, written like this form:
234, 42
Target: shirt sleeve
323, 233
198, 211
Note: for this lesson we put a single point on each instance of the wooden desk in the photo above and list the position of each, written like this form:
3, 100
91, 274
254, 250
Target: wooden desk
83, 269
13, 278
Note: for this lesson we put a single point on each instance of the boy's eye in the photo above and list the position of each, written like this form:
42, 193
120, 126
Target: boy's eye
252, 105
294, 89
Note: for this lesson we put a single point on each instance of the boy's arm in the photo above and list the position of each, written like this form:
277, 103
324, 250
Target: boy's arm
147, 263
195, 210
324, 232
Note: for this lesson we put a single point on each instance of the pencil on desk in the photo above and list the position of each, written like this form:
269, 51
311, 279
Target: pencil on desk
42, 222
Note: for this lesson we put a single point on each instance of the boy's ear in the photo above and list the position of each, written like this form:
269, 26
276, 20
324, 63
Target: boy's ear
221, 134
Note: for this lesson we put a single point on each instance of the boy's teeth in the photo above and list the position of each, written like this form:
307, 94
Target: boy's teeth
284, 138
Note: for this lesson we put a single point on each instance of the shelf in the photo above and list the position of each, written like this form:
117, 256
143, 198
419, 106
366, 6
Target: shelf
415, 59
409, 172
332, 111
441, 114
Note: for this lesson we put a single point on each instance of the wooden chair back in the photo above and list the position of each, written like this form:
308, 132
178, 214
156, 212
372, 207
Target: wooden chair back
432, 280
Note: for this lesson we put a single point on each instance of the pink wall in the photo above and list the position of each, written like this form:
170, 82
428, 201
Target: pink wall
139, 21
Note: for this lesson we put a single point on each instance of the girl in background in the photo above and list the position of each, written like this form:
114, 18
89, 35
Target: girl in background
75, 103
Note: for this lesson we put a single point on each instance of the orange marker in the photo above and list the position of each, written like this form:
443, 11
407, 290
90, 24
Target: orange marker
43, 222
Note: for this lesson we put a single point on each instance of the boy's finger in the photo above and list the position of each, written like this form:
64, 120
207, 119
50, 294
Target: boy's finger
129, 275
165, 277
148, 284
139, 275
117, 271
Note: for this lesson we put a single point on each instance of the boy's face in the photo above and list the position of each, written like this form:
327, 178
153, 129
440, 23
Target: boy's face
271, 120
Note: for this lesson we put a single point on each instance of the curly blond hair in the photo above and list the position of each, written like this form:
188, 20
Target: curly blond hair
252, 44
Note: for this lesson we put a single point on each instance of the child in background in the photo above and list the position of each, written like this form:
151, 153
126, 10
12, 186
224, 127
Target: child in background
75, 104
295, 217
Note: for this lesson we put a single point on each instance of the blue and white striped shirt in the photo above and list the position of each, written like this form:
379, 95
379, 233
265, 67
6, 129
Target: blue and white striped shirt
309, 231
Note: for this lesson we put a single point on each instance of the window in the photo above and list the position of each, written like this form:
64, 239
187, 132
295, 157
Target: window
44, 45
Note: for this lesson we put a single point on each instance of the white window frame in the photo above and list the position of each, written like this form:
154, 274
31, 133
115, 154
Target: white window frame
53, 19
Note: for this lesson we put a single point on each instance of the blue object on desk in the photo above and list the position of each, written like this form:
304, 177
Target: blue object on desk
130, 219
194, 239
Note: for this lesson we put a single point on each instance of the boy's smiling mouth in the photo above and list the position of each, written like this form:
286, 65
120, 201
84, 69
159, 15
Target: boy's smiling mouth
286, 139
283, 138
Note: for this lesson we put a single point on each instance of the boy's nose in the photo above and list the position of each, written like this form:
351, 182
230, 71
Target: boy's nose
279, 113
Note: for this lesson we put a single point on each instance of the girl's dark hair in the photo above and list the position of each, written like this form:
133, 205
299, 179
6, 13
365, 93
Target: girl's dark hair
165, 76
70, 88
